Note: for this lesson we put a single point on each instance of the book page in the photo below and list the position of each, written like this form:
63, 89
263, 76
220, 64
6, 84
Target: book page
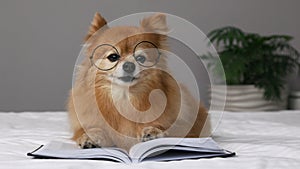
181, 155
68, 150
141, 150
180, 150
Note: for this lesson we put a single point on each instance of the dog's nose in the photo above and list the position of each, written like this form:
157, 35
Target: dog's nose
129, 67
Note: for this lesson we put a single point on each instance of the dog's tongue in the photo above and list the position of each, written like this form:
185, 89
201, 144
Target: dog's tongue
127, 78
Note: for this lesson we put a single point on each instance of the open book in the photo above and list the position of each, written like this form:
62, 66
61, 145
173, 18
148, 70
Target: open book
161, 149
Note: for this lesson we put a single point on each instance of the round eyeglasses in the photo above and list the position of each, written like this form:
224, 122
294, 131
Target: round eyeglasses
145, 54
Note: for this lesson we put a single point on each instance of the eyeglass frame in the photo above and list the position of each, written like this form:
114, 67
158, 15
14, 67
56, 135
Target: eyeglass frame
134, 49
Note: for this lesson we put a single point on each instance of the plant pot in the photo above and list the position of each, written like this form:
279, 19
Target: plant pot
244, 98
294, 100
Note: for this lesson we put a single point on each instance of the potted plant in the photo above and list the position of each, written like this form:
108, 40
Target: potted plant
255, 67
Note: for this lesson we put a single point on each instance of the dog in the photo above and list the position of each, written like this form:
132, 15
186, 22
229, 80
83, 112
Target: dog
123, 93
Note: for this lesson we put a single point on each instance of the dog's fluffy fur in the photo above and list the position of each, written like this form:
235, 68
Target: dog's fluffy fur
98, 105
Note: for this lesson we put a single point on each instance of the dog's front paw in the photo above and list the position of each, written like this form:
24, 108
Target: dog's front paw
93, 139
150, 133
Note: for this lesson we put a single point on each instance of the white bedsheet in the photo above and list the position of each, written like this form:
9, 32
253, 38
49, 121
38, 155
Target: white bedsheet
261, 140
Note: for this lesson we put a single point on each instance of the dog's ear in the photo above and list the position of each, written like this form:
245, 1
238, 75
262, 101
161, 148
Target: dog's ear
97, 23
155, 23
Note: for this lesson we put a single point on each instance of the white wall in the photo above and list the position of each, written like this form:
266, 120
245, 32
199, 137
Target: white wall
40, 40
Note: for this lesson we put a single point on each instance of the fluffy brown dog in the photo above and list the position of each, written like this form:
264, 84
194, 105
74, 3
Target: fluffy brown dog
123, 93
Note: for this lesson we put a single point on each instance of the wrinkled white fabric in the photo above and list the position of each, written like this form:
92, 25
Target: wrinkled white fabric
261, 140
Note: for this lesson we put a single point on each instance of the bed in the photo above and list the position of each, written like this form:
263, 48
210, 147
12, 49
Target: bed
260, 139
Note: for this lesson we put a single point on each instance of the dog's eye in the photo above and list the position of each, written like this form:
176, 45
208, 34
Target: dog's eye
113, 57
140, 58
